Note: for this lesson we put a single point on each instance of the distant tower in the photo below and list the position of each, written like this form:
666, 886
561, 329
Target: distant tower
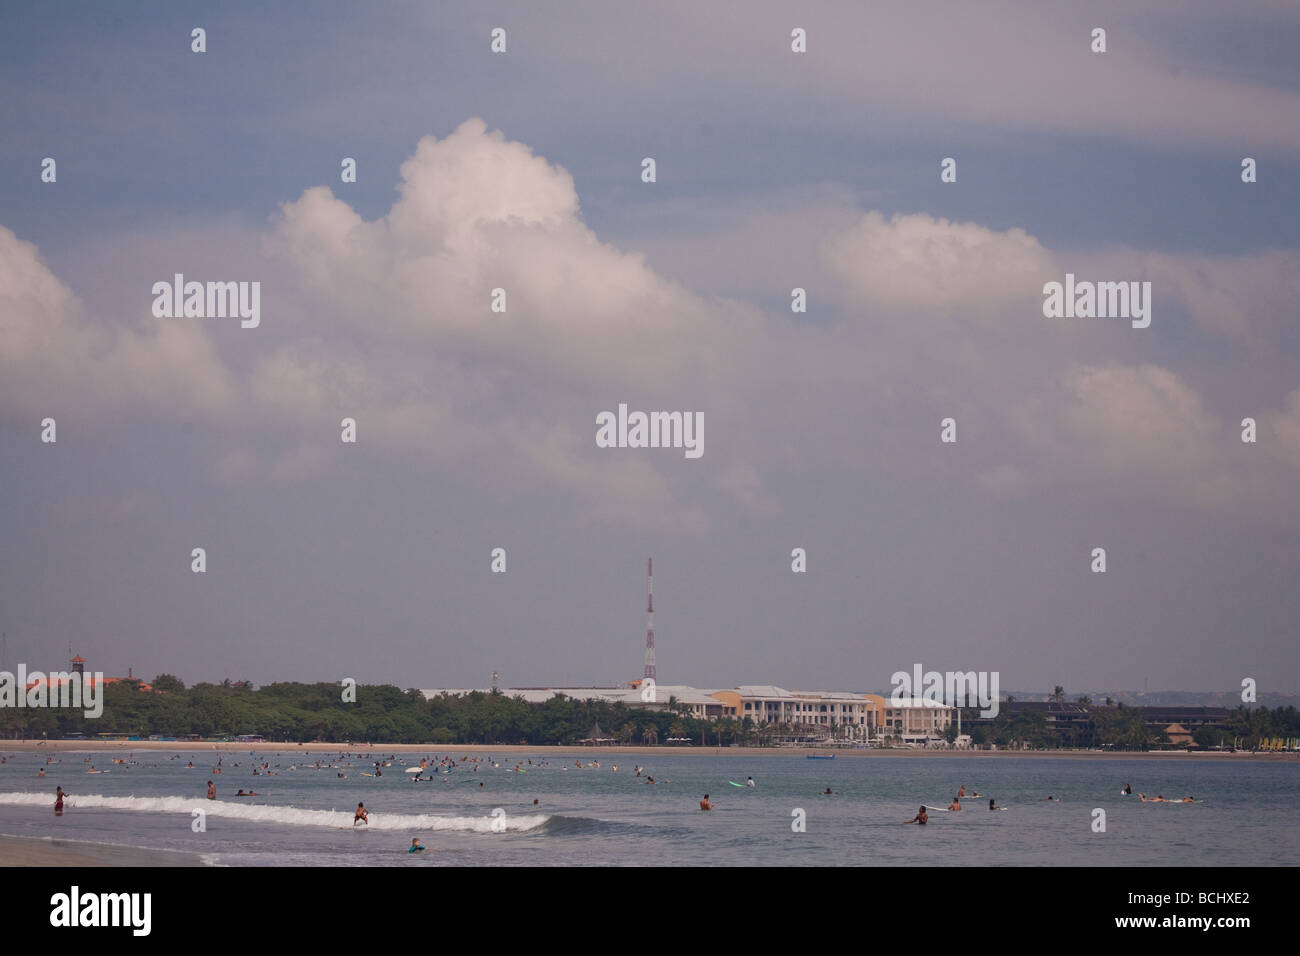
650, 624
495, 678
78, 664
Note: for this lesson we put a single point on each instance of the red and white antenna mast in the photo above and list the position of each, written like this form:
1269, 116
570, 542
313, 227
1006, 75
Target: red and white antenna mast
650, 621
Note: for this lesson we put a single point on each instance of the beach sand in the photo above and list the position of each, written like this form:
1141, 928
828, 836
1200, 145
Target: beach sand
26, 851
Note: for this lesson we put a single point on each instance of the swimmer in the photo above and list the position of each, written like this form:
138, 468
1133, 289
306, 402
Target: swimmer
212, 790
704, 804
956, 803
993, 806
1049, 797
415, 846
241, 793
42, 773
828, 792
920, 817
749, 782
1127, 791
361, 816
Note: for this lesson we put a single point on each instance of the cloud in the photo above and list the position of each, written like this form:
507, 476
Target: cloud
55, 355
918, 317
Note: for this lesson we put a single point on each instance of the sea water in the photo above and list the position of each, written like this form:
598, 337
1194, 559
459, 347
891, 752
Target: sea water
589, 815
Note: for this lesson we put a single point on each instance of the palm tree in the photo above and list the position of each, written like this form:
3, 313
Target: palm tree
650, 736
1058, 694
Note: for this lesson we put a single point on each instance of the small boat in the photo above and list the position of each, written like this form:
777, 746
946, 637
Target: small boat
821, 756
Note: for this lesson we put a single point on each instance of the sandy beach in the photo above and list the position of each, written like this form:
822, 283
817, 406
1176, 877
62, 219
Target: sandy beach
27, 851
177, 746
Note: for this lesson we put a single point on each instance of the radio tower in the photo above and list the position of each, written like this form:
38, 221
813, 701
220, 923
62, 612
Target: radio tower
650, 621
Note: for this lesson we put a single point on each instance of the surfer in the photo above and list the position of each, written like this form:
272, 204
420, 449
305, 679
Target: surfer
962, 791
749, 782
361, 816
704, 804
956, 803
415, 846
58, 800
212, 790
828, 792
1049, 797
992, 805
920, 817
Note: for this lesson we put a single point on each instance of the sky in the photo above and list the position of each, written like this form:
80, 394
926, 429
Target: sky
774, 170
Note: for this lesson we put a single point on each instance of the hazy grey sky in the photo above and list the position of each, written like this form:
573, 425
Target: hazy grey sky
476, 429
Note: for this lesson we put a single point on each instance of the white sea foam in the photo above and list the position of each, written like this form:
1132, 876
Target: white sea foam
292, 816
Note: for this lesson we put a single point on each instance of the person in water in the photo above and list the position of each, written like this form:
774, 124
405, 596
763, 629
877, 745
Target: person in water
1127, 791
749, 782
992, 805
704, 804
956, 803
962, 791
212, 790
920, 817
415, 846
827, 792
58, 799
361, 816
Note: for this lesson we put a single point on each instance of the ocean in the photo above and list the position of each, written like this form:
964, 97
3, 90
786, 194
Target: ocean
598, 816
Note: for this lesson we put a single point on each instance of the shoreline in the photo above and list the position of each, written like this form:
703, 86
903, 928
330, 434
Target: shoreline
34, 851
178, 746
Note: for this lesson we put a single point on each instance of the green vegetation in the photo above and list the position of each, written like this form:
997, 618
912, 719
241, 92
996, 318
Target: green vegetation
381, 714
1117, 727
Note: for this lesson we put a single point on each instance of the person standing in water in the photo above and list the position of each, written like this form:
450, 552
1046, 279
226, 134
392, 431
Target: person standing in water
956, 804
920, 817
361, 816
749, 782
704, 804
212, 790
58, 800
992, 805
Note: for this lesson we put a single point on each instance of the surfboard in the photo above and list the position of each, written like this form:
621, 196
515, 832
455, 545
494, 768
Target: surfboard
938, 809
734, 784
367, 775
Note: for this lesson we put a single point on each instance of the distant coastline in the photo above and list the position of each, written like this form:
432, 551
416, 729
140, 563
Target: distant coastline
177, 746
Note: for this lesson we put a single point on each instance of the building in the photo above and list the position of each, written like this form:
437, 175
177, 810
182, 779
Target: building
917, 721
821, 714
